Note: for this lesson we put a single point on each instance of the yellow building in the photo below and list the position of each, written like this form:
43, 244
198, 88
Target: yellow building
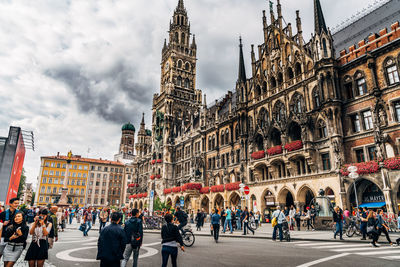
51, 180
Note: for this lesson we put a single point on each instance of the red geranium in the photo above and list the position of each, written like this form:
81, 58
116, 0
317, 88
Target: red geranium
392, 163
191, 186
152, 177
362, 168
133, 196
167, 191
158, 176
232, 186
296, 145
153, 161
177, 189
159, 160
274, 150
205, 190
133, 185
140, 195
258, 154
217, 188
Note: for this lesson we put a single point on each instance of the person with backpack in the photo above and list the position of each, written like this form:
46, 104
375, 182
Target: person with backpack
7, 217
134, 238
181, 217
87, 220
53, 235
111, 243
170, 239
278, 217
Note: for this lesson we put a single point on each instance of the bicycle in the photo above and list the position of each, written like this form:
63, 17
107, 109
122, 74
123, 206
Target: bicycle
252, 223
353, 228
187, 236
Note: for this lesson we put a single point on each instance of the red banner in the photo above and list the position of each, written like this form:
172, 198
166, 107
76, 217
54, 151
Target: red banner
16, 169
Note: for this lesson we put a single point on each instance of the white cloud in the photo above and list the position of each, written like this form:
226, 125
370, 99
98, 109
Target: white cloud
74, 71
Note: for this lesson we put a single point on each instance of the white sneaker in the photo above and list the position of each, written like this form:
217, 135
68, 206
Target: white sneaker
377, 245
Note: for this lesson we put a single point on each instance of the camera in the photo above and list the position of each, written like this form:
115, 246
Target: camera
40, 217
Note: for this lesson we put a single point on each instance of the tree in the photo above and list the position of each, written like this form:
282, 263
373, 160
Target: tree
21, 184
158, 205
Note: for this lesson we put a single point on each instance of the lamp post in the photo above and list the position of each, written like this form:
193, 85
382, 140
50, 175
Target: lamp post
354, 175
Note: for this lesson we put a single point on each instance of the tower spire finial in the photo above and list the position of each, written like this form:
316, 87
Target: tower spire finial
319, 20
242, 69
181, 5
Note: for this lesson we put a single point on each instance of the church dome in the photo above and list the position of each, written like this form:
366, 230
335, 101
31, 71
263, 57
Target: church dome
128, 127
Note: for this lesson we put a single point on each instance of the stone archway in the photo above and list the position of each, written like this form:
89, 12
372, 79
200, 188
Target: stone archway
205, 204
176, 201
305, 196
140, 205
234, 200
368, 192
285, 197
135, 205
187, 203
219, 201
131, 205
253, 203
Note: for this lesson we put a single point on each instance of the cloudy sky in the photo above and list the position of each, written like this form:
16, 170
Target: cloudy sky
74, 71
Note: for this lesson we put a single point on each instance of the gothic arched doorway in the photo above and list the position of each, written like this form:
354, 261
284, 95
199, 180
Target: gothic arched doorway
219, 201
205, 204
234, 200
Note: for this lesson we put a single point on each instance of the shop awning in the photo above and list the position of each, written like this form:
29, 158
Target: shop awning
373, 205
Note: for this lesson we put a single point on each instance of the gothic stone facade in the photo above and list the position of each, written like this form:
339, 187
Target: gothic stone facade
287, 130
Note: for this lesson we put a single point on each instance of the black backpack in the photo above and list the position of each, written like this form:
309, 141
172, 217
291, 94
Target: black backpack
136, 239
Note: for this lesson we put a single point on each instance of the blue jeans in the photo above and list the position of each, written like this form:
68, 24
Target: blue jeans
127, 254
277, 227
228, 221
70, 218
88, 227
339, 229
166, 251
398, 222
238, 224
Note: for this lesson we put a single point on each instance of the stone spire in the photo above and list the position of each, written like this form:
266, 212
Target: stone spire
242, 69
319, 20
180, 5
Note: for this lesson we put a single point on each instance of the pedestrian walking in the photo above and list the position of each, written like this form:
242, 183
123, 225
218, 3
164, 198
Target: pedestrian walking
38, 250
228, 220
15, 236
292, 213
279, 217
245, 219
338, 220
309, 219
70, 215
87, 220
203, 216
53, 235
215, 219
257, 218
297, 217
94, 216
383, 227
59, 215
238, 218
134, 237
363, 224
313, 214
111, 244
372, 228
198, 220
7, 217
103, 218
170, 239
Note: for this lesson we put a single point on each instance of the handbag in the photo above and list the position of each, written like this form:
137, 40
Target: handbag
82, 227
274, 221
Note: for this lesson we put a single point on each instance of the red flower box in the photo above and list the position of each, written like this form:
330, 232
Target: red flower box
274, 150
144, 194
232, 186
191, 186
158, 176
296, 145
152, 177
205, 190
133, 196
217, 188
363, 168
159, 161
392, 163
258, 154
133, 185
153, 161
177, 189
167, 191
140, 195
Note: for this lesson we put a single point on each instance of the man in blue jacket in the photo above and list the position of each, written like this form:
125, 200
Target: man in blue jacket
111, 243
134, 238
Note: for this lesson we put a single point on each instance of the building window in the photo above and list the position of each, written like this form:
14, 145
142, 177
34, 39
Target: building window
360, 155
355, 123
43, 180
361, 87
317, 101
326, 163
367, 116
50, 180
322, 130
43, 189
40, 199
372, 153
47, 199
392, 73
397, 110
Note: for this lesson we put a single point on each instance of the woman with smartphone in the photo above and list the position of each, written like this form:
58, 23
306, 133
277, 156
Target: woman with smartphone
16, 234
38, 250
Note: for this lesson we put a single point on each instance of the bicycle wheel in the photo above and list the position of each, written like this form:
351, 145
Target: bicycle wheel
253, 225
188, 239
350, 231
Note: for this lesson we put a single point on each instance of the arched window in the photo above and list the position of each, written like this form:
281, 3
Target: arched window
279, 112
391, 71
179, 64
290, 74
273, 82
183, 38
186, 83
322, 130
324, 47
264, 88
361, 85
209, 143
179, 81
236, 132
258, 90
177, 37
226, 136
348, 87
280, 78
222, 138
187, 66
297, 104
316, 97
297, 69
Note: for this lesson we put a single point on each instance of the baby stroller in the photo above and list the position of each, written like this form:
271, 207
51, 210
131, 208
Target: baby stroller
286, 231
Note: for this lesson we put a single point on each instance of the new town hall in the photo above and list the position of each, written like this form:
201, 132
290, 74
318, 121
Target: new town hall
290, 128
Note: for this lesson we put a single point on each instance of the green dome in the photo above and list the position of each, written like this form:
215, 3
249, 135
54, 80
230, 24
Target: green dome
148, 132
128, 127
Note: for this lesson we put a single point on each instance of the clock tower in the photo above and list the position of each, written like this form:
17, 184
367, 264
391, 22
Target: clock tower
178, 102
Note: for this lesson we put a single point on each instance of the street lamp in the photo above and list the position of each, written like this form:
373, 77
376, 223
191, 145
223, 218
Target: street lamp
354, 175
